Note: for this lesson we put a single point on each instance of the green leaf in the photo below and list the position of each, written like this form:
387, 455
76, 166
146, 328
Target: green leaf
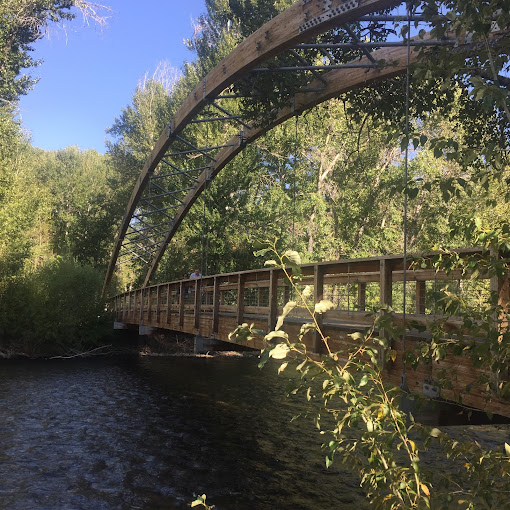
507, 449
280, 351
282, 367
276, 334
323, 306
308, 326
293, 257
435, 433
270, 263
286, 310
363, 381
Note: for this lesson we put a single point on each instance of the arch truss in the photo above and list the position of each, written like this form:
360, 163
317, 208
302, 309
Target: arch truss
318, 42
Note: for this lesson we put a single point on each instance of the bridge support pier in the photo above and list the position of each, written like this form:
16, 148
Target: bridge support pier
144, 330
204, 345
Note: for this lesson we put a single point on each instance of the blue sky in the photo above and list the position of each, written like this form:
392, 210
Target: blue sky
89, 74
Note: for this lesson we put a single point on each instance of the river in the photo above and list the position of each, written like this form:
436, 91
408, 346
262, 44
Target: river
150, 432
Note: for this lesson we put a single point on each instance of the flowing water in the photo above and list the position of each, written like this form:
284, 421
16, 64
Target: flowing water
151, 432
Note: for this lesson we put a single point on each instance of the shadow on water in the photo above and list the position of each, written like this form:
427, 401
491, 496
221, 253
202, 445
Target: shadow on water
152, 432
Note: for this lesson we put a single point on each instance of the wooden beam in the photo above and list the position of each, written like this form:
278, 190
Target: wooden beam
421, 290
216, 305
196, 314
273, 299
240, 298
362, 296
318, 293
168, 319
385, 282
182, 294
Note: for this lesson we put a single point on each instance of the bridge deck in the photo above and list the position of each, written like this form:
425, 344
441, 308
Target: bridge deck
214, 305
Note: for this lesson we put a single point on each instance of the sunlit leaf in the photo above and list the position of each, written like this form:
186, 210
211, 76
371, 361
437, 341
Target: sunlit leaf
276, 334
280, 351
435, 433
293, 257
286, 310
323, 306
425, 489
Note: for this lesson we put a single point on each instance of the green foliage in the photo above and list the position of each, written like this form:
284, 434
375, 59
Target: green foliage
57, 309
363, 422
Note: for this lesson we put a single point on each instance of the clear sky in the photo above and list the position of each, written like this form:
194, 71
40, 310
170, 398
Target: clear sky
89, 74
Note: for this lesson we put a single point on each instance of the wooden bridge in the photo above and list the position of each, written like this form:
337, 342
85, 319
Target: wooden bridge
302, 40
213, 306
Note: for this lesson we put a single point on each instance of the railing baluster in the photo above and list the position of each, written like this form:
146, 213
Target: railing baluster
196, 311
240, 298
421, 289
318, 294
273, 299
216, 305
362, 296
181, 303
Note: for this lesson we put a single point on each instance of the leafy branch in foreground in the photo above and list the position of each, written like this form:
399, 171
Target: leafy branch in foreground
362, 420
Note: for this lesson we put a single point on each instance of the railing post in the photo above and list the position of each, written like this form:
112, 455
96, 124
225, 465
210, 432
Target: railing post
216, 305
149, 306
362, 296
318, 295
141, 305
385, 297
181, 304
196, 311
273, 299
158, 303
420, 296
168, 303
385, 281
240, 298
259, 296
286, 294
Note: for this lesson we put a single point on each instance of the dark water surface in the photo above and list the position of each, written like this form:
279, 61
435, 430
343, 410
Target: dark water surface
151, 432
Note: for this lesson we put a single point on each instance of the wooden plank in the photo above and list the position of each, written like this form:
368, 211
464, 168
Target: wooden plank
216, 305
158, 305
385, 282
240, 299
182, 293
420, 297
362, 295
318, 294
273, 299
168, 314
197, 303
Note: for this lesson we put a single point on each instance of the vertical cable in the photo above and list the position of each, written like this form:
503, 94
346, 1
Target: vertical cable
403, 383
294, 186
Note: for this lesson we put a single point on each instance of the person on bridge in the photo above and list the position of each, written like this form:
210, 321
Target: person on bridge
196, 274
